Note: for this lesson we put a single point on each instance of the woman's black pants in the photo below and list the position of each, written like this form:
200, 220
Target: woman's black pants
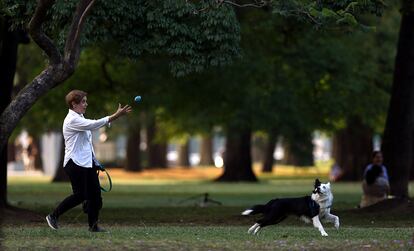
85, 187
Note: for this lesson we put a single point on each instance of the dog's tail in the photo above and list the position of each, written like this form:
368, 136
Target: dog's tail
257, 209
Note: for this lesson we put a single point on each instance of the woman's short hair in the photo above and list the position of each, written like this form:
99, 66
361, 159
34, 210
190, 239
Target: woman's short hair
74, 96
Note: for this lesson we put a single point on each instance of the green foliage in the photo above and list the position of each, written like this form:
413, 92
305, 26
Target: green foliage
190, 39
172, 29
5, 10
291, 78
346, 14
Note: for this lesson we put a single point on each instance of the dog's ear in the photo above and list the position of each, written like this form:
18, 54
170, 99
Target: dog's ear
317, 183
329, 184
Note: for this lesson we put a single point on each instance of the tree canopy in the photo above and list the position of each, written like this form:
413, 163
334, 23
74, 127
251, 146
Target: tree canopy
172, 29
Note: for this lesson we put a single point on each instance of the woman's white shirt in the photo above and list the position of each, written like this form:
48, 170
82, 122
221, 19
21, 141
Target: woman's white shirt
78, 138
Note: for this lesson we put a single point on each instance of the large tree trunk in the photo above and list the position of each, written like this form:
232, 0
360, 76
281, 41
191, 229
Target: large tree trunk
237, 157
8, 59
184, 154
206, 151
133, 155
398, 135
268, 159
352, 149
299, 149
258, 148
157, 152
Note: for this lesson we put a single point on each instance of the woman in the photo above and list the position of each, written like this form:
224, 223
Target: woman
79, 162
376, 184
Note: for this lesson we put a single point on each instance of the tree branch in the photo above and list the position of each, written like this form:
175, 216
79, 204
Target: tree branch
37, 34
72, 47
310, 17
300, 11
254, 4
218, 3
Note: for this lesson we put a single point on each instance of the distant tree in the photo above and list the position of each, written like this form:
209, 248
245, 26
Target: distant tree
133, 153
268, 158
206, 150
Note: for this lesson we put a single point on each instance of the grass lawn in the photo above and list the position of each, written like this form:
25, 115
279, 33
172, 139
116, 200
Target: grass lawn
164, 214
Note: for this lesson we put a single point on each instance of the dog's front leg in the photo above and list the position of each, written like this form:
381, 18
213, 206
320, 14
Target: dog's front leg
334, 219
254, 229
317, 223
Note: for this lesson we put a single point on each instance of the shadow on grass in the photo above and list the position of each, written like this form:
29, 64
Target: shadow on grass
389, 213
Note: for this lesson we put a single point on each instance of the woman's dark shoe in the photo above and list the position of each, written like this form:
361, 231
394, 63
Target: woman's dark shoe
52, 221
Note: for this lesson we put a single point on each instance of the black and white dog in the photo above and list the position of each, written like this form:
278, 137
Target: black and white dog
314, 207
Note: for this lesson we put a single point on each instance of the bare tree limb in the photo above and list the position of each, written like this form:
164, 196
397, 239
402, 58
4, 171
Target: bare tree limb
37, 34
72, 47
260, 4
313, 20
254, 4
308, 15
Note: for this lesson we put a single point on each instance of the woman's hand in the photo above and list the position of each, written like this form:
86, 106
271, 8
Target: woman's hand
123, 110
120, 112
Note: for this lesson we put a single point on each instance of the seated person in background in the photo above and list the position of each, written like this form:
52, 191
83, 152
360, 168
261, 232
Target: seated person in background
377, 159
375, 186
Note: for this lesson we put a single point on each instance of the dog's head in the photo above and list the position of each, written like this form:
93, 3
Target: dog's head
321, 188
